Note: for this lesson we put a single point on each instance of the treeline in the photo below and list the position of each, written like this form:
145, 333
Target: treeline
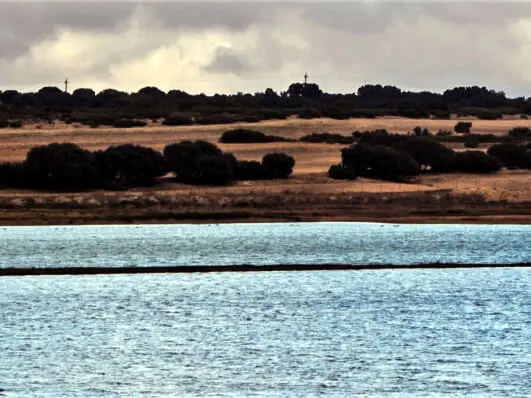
68, 167
394, 158
120, 109
465, 136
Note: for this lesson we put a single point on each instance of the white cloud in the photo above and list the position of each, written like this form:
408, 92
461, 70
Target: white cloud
413, 49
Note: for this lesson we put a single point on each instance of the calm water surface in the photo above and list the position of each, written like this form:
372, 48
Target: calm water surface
296, 243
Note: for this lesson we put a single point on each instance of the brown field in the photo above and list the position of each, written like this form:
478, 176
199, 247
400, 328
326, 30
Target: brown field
308, 194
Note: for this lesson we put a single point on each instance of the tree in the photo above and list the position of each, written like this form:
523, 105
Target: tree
378, 161
520, 133
509, 154
431, 156
130, 165
249, 170
278, 165
216, 169
463, 127
341, 172
65, 167
182, 158
476, 162
12, 174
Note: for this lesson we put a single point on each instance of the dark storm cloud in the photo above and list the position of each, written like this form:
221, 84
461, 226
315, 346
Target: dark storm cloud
227, 61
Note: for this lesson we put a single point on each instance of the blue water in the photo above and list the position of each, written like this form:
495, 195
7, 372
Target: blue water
296, 243
402, 333
440, 333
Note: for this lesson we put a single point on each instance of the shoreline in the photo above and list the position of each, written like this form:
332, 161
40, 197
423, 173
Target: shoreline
492, 213
188, 269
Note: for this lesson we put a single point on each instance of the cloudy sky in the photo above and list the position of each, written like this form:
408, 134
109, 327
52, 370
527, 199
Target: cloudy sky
248, 46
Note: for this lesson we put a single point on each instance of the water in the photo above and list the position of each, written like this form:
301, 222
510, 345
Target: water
402, 333
440, 333
258, 244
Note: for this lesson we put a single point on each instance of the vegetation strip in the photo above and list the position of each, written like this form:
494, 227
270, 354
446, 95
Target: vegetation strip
178, 269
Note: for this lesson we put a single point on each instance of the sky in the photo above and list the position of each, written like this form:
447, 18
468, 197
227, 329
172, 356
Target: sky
228, 47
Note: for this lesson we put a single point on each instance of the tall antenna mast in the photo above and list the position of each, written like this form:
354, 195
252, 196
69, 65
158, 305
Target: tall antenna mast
66, 85
305, 78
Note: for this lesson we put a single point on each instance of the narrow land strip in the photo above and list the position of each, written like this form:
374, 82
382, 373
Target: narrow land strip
182, 269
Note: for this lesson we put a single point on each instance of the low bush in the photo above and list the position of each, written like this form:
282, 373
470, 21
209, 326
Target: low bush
476, 162
380, 162
182, 157
249, 170
177, 120
328, 138
63, 167
278, 165
463, 127
12, 175
129, 123
16, 124
340, 172
472, 141
130, 165
520, 133
511, 155
245, 136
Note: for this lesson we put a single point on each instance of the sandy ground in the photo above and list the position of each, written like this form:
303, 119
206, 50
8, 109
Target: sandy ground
309, 185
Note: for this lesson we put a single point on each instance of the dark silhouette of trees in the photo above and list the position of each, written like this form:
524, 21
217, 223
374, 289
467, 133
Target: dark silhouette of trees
182, 158
476, 162
278, 165
430, 155
521, 133
130, 165
463, 127
329, 138
380, 162
511, 155
249, 170
12, 175
341, 172
248, 136
177, 120
216, 169
63, 167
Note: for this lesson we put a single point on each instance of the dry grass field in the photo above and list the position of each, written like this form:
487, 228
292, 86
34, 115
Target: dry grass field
306, 193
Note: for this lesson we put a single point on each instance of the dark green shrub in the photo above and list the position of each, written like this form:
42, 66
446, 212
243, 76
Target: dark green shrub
64, 167
340, 172
463, 127
520, 132
128, 123
12, 175
430, 155
278, 165
182, 157
472, 141
249, 170
177, 120
130, 165
328, 138
509, 154
476, 162
380, 162
215, 169
248, 136
16, 124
